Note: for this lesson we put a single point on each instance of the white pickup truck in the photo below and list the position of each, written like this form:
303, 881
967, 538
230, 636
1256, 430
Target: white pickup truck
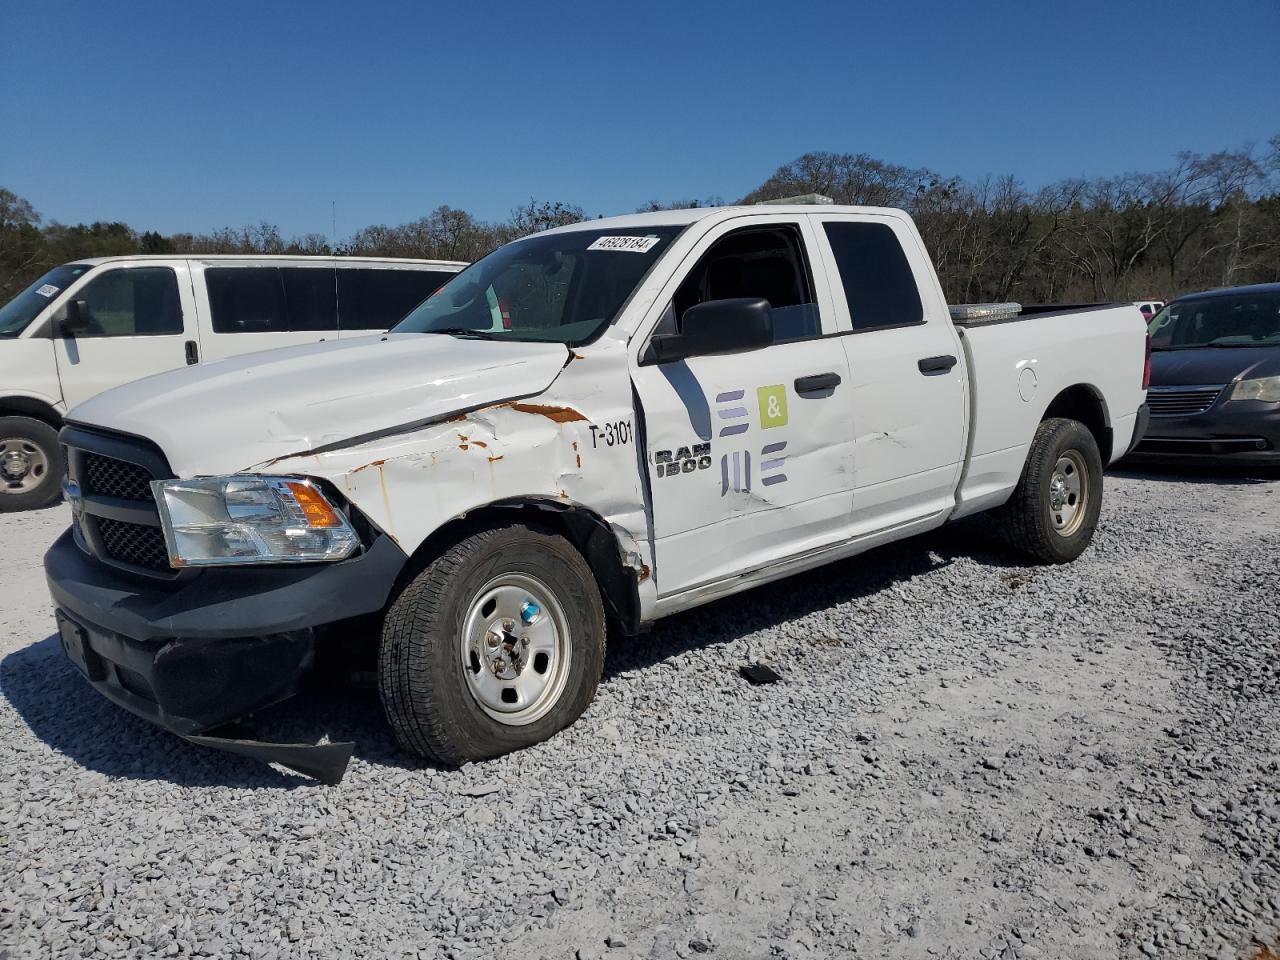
667, 408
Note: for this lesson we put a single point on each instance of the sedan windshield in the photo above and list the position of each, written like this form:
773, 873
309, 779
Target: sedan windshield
1230, 320
26, 306
563, 286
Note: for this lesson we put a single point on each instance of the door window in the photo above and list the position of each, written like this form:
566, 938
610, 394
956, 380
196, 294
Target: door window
768, 263
134, 302
372, 299
878, 283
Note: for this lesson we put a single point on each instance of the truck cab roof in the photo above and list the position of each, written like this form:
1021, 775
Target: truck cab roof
686, 216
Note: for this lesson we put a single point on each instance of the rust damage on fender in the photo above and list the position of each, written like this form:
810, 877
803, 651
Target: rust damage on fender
555, 414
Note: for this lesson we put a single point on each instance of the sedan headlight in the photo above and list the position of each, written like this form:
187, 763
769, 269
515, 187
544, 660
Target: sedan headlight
212, 521
1266, 389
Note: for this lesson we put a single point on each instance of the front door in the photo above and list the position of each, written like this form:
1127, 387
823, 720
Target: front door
749, 454
141, 321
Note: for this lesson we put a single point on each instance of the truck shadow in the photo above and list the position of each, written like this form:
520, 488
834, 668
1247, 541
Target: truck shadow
62, 710
798, 596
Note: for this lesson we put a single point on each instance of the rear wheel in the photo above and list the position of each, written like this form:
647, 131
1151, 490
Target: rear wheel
31, 465
496, 645
1054, 509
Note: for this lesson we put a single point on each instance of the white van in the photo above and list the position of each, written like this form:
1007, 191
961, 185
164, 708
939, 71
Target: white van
87, 326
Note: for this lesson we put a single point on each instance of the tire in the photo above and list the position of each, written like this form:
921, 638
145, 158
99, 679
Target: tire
1054, 509
31, 464
453, 646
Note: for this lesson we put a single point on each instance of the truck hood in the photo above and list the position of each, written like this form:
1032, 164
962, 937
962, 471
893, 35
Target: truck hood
232, 415
1212, 365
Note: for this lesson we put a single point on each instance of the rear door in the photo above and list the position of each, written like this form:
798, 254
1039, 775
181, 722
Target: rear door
248, 307
373, 298
908, 393
141, 321
748, 454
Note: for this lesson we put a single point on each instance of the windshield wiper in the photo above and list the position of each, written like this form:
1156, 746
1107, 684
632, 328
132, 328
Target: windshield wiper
469, 332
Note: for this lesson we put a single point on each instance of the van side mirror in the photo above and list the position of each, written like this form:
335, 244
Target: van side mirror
716, 327
75, 318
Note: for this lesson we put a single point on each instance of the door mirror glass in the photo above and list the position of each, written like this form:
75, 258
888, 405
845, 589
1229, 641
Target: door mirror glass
717, 327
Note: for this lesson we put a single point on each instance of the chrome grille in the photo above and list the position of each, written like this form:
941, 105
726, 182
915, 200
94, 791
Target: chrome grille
1181, 401
109, 477
134, 544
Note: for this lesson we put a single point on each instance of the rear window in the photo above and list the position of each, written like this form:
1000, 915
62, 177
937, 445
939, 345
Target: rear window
271, 299
373, 299
878, 283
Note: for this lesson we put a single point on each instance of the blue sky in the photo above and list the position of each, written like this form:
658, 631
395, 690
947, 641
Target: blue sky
177, 116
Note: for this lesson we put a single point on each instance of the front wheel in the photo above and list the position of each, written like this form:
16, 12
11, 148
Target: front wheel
30, 464
496, 645
1054, 509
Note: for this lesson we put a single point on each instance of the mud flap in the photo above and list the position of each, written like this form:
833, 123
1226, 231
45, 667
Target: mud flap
326, 762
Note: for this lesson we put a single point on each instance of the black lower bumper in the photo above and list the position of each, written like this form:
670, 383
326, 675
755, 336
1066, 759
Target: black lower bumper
1245, 432
194, 655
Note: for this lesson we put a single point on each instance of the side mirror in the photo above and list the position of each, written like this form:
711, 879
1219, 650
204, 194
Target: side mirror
75, 318
716, 327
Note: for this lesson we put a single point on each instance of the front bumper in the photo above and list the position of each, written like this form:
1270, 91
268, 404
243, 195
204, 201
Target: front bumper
196, 654
1231, 431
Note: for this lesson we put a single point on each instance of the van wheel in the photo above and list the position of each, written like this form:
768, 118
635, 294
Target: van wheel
31, 465
1054, 509
496, 645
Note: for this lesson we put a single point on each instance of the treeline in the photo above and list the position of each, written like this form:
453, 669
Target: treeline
1209, 220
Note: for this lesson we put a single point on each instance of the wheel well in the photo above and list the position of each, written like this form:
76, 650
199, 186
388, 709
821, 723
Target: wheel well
586, 530
30, 407
1083, 403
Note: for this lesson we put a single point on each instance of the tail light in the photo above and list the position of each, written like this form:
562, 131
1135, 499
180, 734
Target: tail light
1146, 365
506, 314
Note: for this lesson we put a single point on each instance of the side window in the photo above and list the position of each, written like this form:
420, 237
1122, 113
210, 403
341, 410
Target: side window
311, 302
764, 262
271, 299
373, 299
246, 299
878, 283
133, 302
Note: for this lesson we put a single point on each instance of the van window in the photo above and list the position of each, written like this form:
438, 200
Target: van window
373, 299
311, 300
272, 299
132, 302
878, 283
757, 262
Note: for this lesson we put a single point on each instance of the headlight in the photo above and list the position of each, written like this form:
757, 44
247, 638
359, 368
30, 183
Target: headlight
1264, 388
211, 521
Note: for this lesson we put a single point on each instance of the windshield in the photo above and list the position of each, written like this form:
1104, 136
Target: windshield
1230, 320
22, 309
561, 287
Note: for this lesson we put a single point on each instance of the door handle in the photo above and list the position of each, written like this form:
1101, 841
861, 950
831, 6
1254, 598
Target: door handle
817, 382
932, 366
193, 352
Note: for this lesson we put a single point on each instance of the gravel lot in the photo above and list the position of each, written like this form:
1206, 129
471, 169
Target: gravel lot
966, 757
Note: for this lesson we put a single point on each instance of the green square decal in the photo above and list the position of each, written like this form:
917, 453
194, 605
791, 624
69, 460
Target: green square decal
773, 405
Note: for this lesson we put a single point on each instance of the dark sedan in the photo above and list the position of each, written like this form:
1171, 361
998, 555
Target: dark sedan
1215, 378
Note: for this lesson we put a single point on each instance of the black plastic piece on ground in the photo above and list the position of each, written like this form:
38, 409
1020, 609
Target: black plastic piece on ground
758, 673
326, 762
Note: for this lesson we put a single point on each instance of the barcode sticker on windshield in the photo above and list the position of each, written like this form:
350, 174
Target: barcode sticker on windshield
627, 244
48, 290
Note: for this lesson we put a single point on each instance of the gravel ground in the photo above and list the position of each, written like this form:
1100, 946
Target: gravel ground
965, 757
